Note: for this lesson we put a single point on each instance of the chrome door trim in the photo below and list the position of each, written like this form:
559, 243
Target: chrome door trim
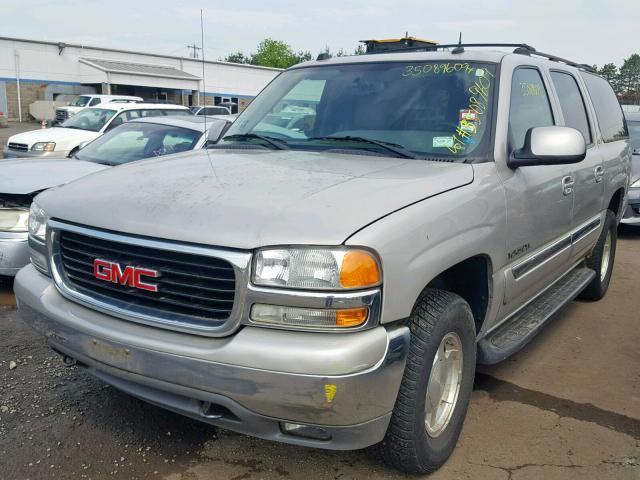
585, 229
539, 258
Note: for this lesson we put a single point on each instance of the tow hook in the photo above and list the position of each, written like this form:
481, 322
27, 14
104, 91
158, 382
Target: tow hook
68, 361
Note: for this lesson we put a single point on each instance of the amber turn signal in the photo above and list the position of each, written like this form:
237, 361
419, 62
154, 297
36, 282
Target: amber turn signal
351, 317
359, 270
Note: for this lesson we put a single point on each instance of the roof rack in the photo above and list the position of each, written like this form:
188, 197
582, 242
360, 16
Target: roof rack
519, 48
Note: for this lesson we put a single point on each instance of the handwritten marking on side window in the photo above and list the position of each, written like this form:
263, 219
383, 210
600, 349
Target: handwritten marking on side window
531, 89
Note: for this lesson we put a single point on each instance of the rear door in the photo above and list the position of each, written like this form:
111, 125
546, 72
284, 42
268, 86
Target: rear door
588, 175
538, 203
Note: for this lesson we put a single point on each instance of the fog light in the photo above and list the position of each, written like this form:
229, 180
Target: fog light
306, 431
308, 317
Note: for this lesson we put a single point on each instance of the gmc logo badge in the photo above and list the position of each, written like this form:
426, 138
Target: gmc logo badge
132, 276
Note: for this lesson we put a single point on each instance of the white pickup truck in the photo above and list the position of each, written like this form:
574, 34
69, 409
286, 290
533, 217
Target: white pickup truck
84, 101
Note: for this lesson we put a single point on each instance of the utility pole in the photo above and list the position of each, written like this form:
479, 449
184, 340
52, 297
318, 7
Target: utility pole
194, 48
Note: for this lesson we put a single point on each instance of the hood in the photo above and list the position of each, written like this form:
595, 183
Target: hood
28, 176
251, 199
54, 134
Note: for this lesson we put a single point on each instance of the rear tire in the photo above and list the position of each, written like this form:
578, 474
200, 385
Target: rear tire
420, 439
602, 259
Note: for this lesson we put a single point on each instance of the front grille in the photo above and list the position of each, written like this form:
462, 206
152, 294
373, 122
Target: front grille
191, 285
20, 147
61, 115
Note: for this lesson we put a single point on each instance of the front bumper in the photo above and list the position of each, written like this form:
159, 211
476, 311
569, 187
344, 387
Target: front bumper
14, 252
249, 382
9, 153
631, 215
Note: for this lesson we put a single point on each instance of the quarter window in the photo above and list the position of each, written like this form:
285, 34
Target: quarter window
530, 105
572, 103
607, 107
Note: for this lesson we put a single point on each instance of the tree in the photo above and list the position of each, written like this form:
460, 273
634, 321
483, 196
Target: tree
630, 78
277, 54
237, 57
360, 50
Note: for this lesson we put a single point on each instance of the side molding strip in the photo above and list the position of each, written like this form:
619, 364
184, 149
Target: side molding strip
532, 262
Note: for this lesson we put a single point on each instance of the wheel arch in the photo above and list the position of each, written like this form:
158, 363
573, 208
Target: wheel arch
615, 204
471, 279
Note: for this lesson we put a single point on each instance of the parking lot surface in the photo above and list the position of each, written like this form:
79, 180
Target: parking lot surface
566, 407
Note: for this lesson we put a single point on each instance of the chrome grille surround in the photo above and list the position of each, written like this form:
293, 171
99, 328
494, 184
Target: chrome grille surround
20, 147
240, 261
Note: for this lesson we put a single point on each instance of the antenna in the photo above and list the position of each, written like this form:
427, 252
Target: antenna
204, 84
459, 48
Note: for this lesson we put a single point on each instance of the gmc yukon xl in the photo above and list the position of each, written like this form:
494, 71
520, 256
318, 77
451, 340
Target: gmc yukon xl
334, 283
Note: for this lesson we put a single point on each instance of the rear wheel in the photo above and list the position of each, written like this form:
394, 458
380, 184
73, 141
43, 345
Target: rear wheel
436, 386
601, 260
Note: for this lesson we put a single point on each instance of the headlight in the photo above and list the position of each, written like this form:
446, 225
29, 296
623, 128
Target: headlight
316, 268
636, 184
14, 220
43, 147
37, 222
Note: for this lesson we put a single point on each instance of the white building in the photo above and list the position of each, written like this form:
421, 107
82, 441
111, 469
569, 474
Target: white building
32, 70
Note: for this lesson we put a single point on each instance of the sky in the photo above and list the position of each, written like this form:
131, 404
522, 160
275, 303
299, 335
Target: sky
585, 31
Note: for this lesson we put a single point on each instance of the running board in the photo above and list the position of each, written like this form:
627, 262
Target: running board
516, 332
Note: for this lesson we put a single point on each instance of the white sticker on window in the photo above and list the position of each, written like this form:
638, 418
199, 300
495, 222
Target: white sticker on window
442, 142
479, 72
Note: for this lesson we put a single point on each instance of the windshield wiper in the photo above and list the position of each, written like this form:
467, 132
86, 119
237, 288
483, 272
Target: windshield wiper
274, 142
399, 150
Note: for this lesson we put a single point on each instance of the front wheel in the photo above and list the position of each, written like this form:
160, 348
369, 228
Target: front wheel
601, 260
436, 386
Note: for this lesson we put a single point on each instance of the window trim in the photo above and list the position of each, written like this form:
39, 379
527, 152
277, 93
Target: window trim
582, 96
546, 88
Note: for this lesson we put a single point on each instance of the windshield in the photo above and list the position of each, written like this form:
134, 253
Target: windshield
634, 135
92, 119
80, 101
135, 141
430, 109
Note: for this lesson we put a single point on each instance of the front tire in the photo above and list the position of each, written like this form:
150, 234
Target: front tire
602, 259
436, 385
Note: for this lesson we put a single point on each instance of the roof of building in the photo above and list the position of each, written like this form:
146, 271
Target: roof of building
116, 66
62, 45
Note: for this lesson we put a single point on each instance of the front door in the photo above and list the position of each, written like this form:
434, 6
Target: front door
539, 199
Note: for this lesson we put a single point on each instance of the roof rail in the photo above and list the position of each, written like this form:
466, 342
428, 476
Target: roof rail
519, 48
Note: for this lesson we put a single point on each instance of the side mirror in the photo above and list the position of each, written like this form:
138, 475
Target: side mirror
549, 146
217, 129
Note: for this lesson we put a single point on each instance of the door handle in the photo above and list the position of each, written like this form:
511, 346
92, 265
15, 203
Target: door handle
598, 173
567, 185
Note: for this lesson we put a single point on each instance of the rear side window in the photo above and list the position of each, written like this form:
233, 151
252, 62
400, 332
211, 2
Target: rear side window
94, 101
572, 103
608, 111
530, 105
176, 112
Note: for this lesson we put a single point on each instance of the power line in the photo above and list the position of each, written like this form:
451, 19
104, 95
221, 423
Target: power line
194, 48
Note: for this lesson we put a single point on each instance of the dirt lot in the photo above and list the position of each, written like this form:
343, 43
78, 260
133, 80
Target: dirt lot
566, 407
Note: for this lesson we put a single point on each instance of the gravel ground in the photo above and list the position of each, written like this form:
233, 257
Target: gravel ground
566, 407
